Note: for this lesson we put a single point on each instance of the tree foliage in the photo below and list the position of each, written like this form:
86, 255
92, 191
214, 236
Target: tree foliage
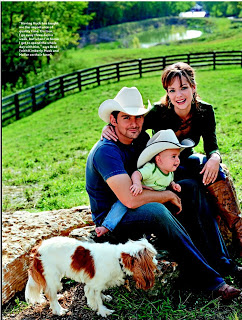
114, 12
223, 8
69, 15
78, 15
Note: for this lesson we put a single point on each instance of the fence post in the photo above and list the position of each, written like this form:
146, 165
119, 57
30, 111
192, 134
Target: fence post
47, 93
241, 59
117, 70
214, 60
164, 62
33, 99
79, 77
47, 87
98, 76
62, 87
16, 102
140, 67
188, 58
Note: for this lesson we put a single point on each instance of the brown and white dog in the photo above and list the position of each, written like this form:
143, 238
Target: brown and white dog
99, 265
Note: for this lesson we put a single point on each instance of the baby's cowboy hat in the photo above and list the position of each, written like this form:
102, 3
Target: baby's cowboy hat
128, 100
162, 140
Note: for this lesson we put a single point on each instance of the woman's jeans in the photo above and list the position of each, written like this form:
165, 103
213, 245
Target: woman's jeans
199, 257
191, 166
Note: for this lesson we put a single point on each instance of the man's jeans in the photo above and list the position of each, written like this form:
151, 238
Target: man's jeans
196, 266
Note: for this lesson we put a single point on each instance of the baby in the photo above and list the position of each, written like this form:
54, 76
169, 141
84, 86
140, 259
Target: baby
156, 166
157, 174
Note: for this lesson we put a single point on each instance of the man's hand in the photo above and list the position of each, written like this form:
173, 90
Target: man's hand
174, 199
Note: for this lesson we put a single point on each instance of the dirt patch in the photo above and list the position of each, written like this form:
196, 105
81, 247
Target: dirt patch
72, 299
20, 196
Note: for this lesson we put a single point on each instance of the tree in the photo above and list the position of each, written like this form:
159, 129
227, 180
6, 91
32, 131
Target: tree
223, 8
69, 15
114, 12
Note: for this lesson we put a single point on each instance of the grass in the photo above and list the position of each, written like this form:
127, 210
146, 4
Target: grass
44, 155
16, 307
158, 304
176, 305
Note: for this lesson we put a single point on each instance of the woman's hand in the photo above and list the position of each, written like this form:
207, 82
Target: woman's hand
210, 169
109, 133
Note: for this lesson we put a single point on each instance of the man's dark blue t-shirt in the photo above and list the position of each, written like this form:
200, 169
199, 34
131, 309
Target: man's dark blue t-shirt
107, 159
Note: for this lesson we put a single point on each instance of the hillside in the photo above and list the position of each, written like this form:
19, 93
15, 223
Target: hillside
44, 154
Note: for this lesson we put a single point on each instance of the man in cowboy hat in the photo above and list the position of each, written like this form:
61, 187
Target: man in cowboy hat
164, 148
108, 169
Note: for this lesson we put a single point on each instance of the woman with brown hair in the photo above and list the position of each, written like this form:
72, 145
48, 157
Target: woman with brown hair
189, 117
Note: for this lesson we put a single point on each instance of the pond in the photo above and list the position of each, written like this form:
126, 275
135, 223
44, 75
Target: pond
166, 34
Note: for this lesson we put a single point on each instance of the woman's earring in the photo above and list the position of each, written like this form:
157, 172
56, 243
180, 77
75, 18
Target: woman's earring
169, 103
194, 98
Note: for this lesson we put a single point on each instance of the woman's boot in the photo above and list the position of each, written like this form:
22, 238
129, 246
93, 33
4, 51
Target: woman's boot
224, 196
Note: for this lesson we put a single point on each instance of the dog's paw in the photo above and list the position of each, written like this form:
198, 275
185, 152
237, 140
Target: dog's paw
63, 311
104, 312
107, 297
60, 311
42, 299
60, 296
38, 299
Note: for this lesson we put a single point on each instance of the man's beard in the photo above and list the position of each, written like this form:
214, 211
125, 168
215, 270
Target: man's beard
133, 135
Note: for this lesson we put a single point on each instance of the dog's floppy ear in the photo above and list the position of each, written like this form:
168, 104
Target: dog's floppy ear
128, 261
144, 270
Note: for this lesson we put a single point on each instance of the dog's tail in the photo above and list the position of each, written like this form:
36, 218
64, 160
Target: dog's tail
36, 281
33, 293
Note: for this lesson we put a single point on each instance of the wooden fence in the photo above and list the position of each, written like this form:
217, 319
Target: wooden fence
36, 97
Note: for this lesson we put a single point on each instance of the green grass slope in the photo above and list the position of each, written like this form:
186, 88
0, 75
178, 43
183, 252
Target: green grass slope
44, 154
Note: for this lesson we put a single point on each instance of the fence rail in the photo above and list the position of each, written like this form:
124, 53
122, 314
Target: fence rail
38, 96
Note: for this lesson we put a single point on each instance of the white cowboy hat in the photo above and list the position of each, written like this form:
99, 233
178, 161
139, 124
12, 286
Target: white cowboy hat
162, 140
128, 100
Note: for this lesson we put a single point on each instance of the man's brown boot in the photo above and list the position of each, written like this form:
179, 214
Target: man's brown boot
224, 196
